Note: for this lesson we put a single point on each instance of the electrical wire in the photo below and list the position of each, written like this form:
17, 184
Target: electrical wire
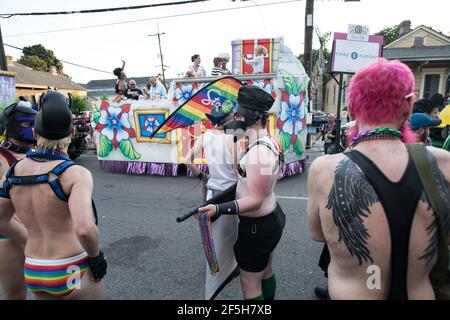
9, 15
154, 18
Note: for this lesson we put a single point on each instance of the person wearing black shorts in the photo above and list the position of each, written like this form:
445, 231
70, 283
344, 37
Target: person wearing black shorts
261, 219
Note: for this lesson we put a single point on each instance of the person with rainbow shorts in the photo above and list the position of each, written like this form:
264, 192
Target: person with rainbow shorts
52, 197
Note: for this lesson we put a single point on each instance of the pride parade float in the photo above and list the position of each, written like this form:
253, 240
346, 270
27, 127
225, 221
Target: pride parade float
125, 131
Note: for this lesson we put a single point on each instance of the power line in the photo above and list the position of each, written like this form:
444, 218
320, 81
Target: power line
46, 56
9, 15
154, 18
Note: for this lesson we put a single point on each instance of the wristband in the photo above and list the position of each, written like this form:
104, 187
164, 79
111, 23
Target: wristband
230, 208
98, 266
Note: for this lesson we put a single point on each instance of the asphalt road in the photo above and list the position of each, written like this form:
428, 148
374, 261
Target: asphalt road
150, 256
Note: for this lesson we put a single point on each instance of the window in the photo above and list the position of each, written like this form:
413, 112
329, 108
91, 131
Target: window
431, 85
418, 42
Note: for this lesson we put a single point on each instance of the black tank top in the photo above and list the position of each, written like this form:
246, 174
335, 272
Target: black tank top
399, 200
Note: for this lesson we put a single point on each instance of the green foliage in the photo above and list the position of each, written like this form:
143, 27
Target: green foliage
105, 146
298, 146
285, 140
126, 146
390, 34
44, 54
291, 84
78, 104
34, 62
103, 97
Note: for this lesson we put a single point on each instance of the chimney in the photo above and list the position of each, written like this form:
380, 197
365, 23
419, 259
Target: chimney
10, 61
404, 27
53, 70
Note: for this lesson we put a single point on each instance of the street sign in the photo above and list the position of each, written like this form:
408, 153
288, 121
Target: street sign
350, 56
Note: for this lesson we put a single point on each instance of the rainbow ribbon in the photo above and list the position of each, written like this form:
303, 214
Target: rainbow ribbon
204, 224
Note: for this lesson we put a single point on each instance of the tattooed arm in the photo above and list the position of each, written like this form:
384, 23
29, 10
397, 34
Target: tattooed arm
312, 209
440, 163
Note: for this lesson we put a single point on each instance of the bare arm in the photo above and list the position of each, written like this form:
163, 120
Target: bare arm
259, 170
192, 154
8, 226
80, 205
443, 162
312, 209
123, 65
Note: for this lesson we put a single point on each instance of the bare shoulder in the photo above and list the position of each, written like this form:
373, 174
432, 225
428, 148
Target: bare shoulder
441, 155
78, 174
325, 164
442, 159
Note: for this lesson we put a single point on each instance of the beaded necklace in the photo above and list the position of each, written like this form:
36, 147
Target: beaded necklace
376, 134
208, 242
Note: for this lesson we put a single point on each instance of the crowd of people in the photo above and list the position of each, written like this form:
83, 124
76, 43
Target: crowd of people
123, 90
381, 208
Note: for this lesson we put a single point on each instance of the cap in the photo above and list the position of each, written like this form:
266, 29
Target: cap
255, 98
420, 120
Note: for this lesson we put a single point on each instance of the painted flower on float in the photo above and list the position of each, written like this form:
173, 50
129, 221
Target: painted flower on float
184, 92
113, 123
292, 113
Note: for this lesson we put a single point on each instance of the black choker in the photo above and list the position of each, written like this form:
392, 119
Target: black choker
8, 145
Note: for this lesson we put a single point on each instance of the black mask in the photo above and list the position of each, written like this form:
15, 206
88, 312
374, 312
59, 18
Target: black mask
19, 122
236, 128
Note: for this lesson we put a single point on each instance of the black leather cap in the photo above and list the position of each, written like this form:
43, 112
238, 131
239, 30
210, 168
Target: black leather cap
54, 119
255, 98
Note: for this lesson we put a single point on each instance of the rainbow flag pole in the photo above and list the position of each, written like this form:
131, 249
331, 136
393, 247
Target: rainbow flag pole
221, 91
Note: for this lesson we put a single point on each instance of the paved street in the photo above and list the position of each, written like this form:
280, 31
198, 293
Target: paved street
150, 256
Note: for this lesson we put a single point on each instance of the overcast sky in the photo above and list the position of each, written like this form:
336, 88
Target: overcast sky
206, 34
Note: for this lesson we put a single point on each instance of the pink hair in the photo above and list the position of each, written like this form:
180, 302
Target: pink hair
377, 96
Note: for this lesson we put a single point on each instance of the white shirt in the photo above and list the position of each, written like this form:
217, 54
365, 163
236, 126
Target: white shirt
158, 89
257, 64
219, 160
201, 72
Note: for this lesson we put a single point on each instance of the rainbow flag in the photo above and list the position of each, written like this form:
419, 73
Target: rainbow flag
219, 92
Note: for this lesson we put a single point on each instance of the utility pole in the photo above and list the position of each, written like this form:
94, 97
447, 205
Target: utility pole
309, 28
3, 62
160, 54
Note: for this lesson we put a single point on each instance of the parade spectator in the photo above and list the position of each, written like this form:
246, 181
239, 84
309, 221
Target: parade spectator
363, 202
261, 219
421, 124
133, 92
329, 133
196, 70
63, 259
437, 100
225, 59
425, 106
154, 90
217, 71
19, 123
258, 61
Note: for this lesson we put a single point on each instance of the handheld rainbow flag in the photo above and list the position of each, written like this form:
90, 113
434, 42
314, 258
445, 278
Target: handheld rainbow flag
217, 93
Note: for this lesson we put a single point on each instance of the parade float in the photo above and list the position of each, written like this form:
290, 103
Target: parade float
125, 131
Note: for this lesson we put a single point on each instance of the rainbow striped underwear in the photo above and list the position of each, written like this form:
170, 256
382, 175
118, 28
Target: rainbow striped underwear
55, 277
